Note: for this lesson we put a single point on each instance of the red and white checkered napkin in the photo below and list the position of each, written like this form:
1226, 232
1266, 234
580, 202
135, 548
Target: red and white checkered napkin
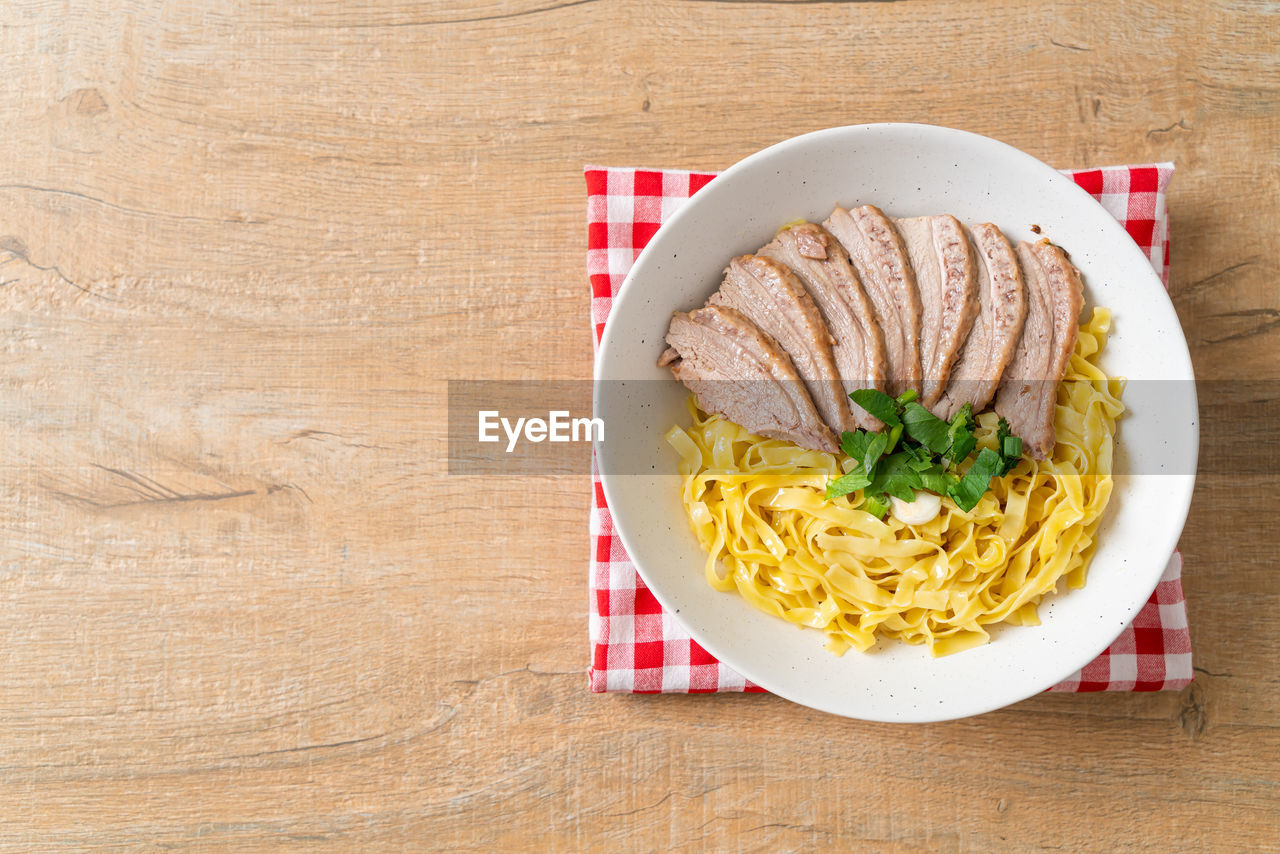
638, 647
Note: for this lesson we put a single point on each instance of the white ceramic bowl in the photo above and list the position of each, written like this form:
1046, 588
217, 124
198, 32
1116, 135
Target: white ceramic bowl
907, 170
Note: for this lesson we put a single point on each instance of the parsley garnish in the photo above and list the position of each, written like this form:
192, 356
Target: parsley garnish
926, 428
919, 451
960, 434
878, 404
974, 484
851, 482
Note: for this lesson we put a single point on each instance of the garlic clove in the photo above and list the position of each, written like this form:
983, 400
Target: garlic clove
925, 508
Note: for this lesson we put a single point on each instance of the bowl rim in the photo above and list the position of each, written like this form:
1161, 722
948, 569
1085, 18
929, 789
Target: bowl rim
1185, 484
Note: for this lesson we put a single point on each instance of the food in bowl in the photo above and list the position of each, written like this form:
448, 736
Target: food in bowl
899, 428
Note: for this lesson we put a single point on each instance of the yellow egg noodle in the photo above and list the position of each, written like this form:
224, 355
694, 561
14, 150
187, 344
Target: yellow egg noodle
758, 507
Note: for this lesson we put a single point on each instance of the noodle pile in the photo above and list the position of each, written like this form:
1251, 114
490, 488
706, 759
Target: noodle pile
759, 510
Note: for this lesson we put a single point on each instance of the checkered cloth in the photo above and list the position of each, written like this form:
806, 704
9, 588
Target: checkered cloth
637, 647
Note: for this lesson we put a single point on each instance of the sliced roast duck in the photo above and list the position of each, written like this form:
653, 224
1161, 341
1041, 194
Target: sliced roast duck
866, 301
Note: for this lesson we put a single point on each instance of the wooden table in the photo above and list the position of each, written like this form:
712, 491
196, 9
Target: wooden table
245, 246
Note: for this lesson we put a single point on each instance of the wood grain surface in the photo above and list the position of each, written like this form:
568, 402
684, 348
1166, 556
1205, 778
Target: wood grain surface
245, 245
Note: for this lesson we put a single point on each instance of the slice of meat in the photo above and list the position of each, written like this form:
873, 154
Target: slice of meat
822, 266
1029, 390
880, 259
946, 280
770, 296
1002, 308
737, 371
